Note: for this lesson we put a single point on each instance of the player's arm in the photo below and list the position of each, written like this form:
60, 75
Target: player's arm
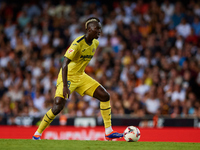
66, 92
68, 57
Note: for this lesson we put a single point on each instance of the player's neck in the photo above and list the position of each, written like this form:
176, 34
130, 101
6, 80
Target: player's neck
88, 40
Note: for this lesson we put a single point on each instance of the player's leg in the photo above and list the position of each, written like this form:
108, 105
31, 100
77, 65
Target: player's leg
101, 94
58, 105
91, 87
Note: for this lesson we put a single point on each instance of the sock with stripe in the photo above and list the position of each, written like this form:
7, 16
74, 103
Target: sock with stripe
47, 119
106, 115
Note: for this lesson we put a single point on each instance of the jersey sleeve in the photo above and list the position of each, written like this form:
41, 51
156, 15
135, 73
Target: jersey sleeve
72, 50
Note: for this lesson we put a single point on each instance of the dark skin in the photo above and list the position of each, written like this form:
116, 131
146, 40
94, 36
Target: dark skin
93, 32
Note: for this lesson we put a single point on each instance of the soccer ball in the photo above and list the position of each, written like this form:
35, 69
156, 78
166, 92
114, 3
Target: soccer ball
131, 134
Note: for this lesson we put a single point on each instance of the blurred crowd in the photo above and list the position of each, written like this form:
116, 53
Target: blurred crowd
148, 57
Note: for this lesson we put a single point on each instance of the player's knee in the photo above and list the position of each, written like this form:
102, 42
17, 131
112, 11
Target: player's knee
106, 97
58, 105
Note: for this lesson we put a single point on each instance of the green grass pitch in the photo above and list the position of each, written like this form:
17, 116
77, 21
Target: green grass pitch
18, 144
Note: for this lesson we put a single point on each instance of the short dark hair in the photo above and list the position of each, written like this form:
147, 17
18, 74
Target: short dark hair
89, 20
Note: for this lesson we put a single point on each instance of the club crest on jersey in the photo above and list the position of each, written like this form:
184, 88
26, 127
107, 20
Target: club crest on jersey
70, 51
93, 50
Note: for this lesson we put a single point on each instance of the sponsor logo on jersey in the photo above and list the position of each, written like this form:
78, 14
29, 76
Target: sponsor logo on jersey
70, 51
86, 57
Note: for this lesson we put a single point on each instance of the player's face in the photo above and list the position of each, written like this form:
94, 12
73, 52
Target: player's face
96, 30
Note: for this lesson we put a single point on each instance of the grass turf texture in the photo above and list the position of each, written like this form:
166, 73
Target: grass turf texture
19, 144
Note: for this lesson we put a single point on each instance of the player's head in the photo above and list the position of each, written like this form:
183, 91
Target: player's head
93, 27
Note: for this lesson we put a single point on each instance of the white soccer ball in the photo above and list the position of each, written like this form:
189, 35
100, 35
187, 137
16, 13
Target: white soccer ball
131, 134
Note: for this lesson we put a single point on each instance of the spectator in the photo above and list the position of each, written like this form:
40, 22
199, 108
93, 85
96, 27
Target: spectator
39, 101
178, 94
3, 89
183, 28
23, 19
177, 16
168, 8
33, 10
9, 28
196, 26
152, 102
15, 93
109, 27
141, 90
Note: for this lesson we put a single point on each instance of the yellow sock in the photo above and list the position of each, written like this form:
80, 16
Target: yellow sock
47, 119
106, 113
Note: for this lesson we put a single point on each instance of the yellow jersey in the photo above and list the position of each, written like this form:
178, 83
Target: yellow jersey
80, 54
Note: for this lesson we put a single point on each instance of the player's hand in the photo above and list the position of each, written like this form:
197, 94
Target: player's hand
66, 92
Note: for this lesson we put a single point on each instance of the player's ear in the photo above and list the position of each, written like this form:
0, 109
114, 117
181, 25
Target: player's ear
89, 29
